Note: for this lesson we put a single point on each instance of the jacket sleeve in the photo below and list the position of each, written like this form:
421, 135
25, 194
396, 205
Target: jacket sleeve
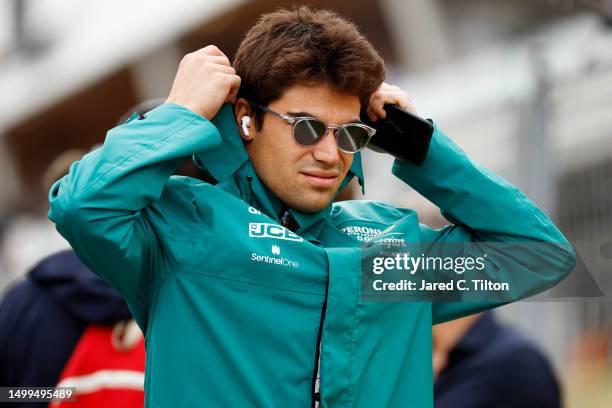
108, 207
485, 208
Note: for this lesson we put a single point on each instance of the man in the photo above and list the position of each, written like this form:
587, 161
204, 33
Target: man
241, 312
481, 362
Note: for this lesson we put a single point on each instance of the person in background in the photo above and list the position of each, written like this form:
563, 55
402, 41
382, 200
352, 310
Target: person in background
479, 362
62, 325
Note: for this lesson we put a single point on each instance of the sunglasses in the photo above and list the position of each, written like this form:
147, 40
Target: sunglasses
308, 131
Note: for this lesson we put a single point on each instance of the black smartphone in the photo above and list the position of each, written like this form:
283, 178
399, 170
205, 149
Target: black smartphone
401, 134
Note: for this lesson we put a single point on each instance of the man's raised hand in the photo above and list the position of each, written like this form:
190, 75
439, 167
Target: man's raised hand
205, 80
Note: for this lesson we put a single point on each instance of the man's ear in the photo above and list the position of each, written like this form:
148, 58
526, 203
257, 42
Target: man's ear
244, 121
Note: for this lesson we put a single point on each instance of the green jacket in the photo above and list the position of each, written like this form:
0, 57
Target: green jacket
232, 305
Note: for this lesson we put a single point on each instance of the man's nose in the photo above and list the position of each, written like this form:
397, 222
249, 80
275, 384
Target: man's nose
327, 149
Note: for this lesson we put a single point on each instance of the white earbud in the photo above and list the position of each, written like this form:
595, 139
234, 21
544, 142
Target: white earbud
246, 121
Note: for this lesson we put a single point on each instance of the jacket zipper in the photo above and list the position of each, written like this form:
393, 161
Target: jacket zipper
287, 222
316, 395
250, 182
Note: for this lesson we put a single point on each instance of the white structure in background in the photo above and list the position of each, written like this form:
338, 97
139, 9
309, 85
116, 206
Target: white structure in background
25, 242
120, 31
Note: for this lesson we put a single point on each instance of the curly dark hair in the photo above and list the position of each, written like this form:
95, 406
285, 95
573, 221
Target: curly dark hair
306, 46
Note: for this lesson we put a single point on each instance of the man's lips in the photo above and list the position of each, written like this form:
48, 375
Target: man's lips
320, 177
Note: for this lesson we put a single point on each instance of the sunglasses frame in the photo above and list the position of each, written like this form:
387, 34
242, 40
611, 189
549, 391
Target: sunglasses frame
294, 120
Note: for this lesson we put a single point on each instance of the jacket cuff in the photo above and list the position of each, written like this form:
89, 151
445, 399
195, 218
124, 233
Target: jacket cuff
174, 115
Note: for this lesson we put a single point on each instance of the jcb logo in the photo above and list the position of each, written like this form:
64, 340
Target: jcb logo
265, 230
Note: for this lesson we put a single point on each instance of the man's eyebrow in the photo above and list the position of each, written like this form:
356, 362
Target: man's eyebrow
315, 116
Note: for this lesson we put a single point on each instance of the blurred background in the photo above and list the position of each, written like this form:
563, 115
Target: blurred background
523, 86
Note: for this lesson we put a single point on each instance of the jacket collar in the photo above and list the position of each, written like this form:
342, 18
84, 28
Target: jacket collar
230, 165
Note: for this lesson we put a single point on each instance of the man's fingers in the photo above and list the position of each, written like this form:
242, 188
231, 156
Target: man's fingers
371, 115
393, 99
376, 106
390, 94
194, 59
234, 81
225, 69
398, 98
210, 50
218, 59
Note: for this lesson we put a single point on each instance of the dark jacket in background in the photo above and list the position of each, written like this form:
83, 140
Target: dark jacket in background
43, 316
494, 366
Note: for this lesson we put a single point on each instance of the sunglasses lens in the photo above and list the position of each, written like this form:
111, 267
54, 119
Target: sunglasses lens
307, 132
352, 138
